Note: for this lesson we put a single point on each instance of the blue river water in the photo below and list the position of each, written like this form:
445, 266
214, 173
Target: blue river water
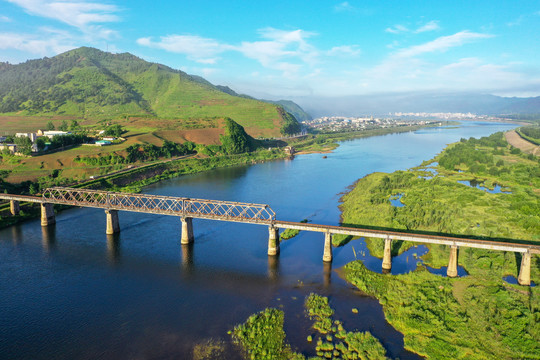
72, 292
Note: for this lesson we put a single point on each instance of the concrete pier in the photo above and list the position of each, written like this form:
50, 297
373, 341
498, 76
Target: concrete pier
113, 226
47, 214
327, 256
452, 263
14, 207
525, 270
273, 241
187, 230
387, 255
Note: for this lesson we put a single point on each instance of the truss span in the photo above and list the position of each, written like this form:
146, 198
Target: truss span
166, 205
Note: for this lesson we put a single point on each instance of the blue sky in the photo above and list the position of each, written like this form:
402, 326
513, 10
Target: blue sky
299, 48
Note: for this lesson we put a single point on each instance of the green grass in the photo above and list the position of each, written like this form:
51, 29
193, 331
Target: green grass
478, 316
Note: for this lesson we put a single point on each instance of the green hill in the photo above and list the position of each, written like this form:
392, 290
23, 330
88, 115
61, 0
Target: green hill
93, 85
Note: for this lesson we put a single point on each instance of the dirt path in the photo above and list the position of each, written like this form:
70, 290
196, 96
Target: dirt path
515, 140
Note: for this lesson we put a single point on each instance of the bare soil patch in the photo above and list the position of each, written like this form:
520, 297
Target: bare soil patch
517, 141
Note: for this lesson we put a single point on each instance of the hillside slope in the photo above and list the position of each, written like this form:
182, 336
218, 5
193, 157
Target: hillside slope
90, 84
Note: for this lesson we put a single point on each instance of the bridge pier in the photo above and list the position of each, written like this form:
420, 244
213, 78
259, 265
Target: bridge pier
525, 269
113, 225
14, 207
47, 214
327, 256
387, 255
452, 263
187, 231
273, 241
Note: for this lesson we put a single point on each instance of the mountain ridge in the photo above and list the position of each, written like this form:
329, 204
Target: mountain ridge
95, 85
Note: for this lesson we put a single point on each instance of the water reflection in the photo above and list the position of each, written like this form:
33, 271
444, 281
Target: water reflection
113, 248
48, 238
497, 189
273, 268
461, 272
187, 258
511, 279
16, 234
327, 274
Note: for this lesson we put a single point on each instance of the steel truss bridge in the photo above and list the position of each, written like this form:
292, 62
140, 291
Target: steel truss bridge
188, 208
165, 205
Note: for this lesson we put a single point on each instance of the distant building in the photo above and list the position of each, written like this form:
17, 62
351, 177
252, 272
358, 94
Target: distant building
11, 147
31, 136
109, 138
53, 133
289, 150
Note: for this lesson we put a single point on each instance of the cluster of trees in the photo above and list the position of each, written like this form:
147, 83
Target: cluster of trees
531, 131
472, 153
141, 152
236, 140
60, 141
290, 125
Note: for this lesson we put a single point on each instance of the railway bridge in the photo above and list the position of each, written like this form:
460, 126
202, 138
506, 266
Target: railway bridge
188, 209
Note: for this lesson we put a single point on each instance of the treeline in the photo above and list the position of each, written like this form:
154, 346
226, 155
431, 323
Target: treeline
477, 155
530, 133
141, 152
290, 125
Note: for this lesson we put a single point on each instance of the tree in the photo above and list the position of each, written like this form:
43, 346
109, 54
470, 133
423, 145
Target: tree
63, 126
74, 125
24, 145
114, 130
50, 126
40, 142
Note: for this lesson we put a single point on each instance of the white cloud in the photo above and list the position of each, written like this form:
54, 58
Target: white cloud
196, 48
430, 26
443, 43
4, 19
281, 44
345, 50
396, 29
79, 14
42, 46
287, 51
344, 6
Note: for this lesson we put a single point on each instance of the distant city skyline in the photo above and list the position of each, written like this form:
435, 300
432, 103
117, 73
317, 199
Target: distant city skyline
280, 49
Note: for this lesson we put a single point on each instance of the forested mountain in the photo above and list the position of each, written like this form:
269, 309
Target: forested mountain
92, 84
289, 106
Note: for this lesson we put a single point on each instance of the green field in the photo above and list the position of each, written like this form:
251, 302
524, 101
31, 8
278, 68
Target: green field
478, 316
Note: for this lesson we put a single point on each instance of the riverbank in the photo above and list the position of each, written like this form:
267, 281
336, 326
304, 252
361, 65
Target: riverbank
133, 180
479, 316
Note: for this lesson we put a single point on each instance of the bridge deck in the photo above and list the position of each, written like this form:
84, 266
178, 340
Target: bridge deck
423, 238
10, 197
239, 212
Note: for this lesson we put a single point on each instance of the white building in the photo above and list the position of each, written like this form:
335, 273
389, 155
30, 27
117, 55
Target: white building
53, 133
31, 136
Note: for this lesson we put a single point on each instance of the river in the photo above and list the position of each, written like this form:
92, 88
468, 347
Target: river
72, 292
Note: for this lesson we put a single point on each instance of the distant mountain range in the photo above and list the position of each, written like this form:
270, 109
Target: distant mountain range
93, 85
419, 102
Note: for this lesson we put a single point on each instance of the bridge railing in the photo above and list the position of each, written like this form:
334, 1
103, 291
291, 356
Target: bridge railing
212, 209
